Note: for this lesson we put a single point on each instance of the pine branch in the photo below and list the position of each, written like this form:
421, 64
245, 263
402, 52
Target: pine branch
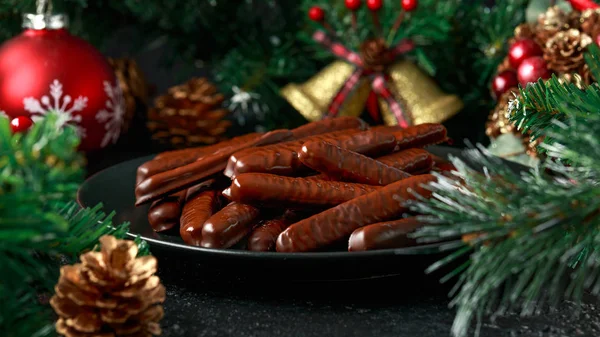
533, 238
40, 226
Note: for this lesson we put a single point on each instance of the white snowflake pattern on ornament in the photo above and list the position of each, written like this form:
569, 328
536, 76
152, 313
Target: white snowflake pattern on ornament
112, 116
40, 108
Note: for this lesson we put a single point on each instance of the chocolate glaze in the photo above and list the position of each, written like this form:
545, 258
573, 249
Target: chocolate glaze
199, 207
410, 160
348, 165
282, 159
272, 189
420, 136
339, 222
169, 160
329, 125
263, 237
279, 158
384, 235
273, 137
164, 214
229, 225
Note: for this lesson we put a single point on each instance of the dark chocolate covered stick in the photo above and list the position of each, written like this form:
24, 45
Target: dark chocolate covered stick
264, 236
199, 207
420, 136
410, 160
336, 223
164, 214
348, 165
282, 159
229, 225
384, 235
270, 189
179, 178
329, 125
169, 160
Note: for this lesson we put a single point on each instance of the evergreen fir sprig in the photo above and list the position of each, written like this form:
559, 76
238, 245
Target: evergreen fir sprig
41, 227
532, 238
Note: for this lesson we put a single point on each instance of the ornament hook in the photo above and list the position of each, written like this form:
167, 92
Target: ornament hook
44, 7
44, 18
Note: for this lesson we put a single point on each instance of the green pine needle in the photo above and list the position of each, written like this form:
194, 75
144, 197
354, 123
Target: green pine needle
41, 227
533, 237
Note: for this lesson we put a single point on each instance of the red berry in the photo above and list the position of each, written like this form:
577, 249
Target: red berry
316, 13
353, 4
374, 5
503, 82
410, 5
20, 124
533, 69
598, 39
522, 50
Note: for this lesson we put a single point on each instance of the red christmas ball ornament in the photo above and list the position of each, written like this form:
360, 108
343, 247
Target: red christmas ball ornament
353, 5
582, 5
374, 5
533, 69
522, 50
503, 82
45, 68
410, 5
20, 124
316, 13
597, 40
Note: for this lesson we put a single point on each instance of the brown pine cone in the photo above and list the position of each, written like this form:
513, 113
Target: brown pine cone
505, 65
564, 51
376, 55
590, 22
551, 22
111, 293
498, 122
134, 87
575, 20
190, 114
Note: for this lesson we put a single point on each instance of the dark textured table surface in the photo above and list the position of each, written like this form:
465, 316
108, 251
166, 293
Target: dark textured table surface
410, 305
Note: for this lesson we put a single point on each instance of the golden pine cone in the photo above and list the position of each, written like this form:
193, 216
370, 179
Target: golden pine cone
111, 293
190, 114
551, 22
590, 22
564, 51
498, 122
133, 84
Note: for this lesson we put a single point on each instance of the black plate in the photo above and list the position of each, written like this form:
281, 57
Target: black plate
114, 187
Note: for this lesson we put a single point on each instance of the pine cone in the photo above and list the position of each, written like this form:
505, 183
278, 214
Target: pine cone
498, 122
551, 22
590, 22
376, 55
564, 51
189, 115
525, 31
505, 65
575, 20
134, 87
111, 293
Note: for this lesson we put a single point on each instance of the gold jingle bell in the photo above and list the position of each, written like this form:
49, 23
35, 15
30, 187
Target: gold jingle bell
420, 97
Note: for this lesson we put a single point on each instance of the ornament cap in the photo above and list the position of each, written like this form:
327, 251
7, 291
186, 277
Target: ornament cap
45, 21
